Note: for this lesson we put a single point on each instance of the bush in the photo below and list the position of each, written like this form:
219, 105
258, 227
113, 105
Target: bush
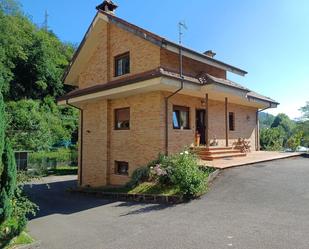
294, 141
272, 139
179, 170
42, 161
185, 173
139, 175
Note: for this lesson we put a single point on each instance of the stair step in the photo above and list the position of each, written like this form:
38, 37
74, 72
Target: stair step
207, 152
221, 156
213, 148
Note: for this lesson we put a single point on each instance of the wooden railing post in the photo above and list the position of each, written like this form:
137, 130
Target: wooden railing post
206, 120
226, 125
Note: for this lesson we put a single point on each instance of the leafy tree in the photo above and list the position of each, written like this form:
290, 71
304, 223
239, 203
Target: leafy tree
295, 140
282, 120
38, 125
7, 183
272, 138
32, 60
10, 7
266, 119
303, 125
305, 111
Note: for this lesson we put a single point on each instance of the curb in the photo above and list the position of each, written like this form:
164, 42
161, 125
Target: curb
145, 198
264, 160
212, 176
34, 245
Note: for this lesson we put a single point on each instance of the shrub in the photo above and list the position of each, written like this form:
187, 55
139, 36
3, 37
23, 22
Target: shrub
42, 161
294, 141
180, 170
139, 175
272, 139
186, 174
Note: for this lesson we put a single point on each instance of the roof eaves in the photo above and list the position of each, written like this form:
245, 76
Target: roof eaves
76, 53
112, 84
254, 95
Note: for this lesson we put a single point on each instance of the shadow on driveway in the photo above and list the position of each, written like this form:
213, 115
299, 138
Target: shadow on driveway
52, 197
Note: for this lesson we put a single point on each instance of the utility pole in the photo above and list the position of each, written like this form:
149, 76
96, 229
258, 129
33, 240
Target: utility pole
45, 23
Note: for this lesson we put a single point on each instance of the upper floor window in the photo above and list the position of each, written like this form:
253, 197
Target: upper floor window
122, 64
231, 121
181, 117
122, 119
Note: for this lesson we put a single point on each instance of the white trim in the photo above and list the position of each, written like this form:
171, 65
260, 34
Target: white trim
112, 93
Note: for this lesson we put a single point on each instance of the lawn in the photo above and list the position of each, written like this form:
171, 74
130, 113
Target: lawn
22, 239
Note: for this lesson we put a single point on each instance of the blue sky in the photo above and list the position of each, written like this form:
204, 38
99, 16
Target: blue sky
269, 39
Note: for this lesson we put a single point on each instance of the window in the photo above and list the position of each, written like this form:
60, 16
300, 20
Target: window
121, 168
231, 121
122, 64
181, 117
122, 119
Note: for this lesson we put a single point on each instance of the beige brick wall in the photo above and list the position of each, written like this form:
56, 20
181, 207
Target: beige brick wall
244, 127
95, 143
103, 145
144, 56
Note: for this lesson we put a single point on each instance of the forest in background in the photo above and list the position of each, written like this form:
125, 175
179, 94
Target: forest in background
32, 62
280, 132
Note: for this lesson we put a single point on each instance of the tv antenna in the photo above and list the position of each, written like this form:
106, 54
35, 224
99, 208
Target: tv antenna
181, 25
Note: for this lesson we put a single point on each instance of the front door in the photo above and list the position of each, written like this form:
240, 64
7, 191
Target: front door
200, 125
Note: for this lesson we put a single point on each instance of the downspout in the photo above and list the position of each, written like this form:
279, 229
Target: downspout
171, 95
81, 140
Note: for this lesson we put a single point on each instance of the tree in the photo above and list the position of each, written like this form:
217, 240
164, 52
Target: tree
7, 182
32, 60
266, 119
305, 111
282, 120
295, 140
38, 125
272, 138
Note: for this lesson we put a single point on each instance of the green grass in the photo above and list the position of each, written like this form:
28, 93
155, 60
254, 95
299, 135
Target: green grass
22, 239
155, 189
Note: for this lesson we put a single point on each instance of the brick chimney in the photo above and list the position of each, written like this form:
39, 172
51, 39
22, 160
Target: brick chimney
107, 6
210, 53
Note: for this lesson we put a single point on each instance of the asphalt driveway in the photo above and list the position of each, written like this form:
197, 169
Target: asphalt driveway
264, 205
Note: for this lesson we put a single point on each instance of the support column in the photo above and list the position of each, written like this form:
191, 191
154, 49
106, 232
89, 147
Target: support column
226, 125
206, 120
257, 132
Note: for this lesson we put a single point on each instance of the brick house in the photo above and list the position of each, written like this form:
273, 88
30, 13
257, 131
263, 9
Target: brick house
136, 100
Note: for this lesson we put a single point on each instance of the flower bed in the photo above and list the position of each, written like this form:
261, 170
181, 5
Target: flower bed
170, 179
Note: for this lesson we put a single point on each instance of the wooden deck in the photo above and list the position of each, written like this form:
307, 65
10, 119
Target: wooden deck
250, 158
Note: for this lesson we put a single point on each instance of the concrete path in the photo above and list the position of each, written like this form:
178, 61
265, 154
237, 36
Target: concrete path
261, 206
252, 157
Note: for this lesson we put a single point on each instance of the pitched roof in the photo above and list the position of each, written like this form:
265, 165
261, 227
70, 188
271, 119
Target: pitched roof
152, 37
159, 40
256, 95
158, 73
